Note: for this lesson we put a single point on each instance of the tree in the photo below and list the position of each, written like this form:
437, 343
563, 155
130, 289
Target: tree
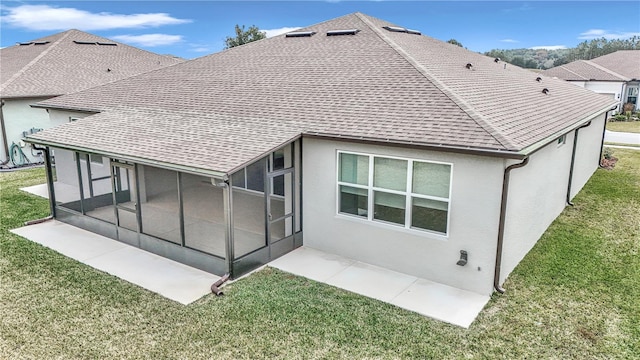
454, 42
244, 36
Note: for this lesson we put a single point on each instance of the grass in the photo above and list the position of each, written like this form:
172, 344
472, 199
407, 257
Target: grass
624, 126
576, 295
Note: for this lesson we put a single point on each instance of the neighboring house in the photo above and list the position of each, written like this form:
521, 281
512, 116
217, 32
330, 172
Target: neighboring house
616, 75
59, 64
351, 136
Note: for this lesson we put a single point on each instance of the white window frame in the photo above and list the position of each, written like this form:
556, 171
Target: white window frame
408, 194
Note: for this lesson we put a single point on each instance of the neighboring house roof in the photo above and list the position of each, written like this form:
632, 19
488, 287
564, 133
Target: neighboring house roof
622, 66
377, 85
623, 62
71, 61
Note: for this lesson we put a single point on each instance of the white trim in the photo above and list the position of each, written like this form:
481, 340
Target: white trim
408, 193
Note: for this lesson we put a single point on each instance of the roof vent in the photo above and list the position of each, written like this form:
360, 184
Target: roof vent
40, 42
469, 65
342, 32
402, 30
538, 79
25, 43
301, 34
106, 44
496, 60
395, 28
545, 91
84, 42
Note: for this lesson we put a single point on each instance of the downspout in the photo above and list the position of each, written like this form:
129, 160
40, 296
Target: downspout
4, 134
604, 128
573, 160
503, 214
52, 194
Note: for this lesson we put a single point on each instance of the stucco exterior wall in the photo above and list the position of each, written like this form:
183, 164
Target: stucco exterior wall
537, 191
587, 154
19, 117
473, 222
64, 160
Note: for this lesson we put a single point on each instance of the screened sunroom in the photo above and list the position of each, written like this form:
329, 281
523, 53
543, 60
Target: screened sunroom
228, 224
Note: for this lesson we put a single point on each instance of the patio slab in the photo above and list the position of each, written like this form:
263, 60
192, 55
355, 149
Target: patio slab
428, 298
166, 277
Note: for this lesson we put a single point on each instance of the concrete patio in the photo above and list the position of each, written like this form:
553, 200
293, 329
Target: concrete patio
166, 277
438, 301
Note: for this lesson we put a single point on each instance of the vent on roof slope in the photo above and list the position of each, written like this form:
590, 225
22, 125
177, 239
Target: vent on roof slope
342, 32
402, 30
40, 42
300, 34
106, 44
25, 43
84, 42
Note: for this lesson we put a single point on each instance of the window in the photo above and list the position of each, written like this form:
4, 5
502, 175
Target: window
632, 95
562, 140
252, 176
95, 159
410, 193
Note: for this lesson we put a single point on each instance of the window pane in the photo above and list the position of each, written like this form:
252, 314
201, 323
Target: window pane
429, 214
390, 174
237, 179
353, 200
354, 169
255, 176
431, 179
278, 159
389, 207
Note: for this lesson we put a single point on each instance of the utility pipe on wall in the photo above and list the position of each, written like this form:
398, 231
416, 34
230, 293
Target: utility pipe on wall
503, 214
604, 129
4, 134
573, 160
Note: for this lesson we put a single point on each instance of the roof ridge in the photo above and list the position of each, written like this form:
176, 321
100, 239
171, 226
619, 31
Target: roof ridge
462, 104
35, 60
571, 71
611, 72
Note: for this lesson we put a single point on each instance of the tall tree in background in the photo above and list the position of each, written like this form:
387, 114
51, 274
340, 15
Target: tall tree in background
244, 36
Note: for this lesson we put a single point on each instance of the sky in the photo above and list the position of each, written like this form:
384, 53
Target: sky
191, 29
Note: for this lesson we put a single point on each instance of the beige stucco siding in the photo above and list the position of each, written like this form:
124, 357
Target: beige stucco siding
473, 221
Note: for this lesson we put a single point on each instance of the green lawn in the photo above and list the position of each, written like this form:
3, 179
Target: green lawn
575, 296
624, 126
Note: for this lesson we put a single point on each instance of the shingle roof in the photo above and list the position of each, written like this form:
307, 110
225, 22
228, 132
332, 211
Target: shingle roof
377, 85
71, 61
622, 65
623, 62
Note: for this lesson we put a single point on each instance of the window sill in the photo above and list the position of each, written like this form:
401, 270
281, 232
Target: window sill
393, 227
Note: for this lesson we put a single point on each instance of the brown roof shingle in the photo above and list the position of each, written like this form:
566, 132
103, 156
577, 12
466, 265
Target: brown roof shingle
622, 65
71, 61
376, 85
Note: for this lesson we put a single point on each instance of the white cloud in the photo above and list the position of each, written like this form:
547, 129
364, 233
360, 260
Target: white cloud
46, 18
149, 40
607, 34
509, 41
280, 31
548, 47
